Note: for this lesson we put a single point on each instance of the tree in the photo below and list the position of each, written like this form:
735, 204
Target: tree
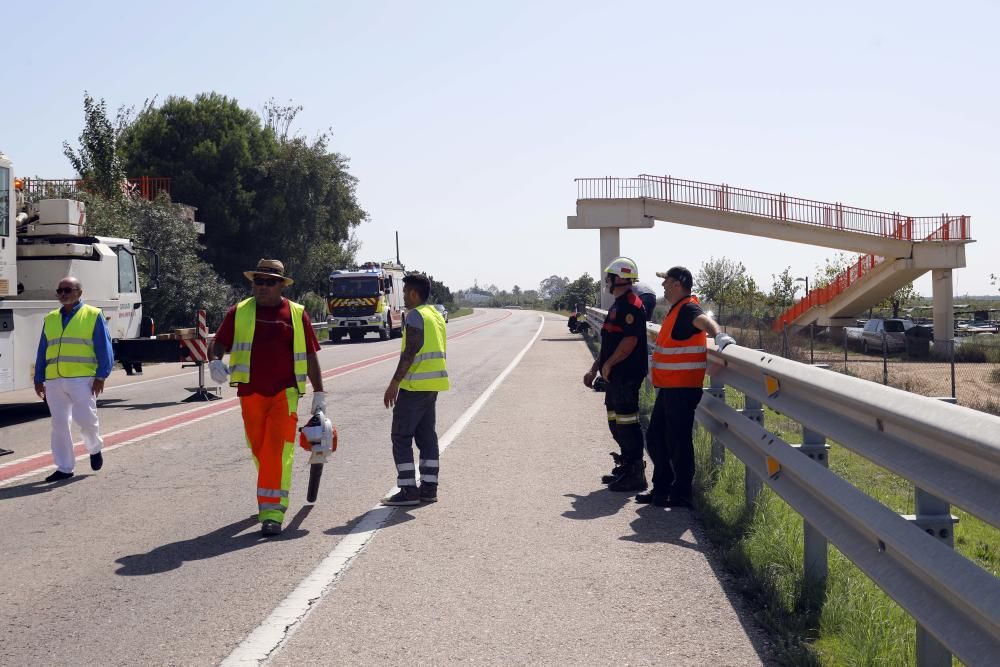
552, 287
261, 191
899, 298
581, 290
721, 281
832, 268
783, 289
98, 160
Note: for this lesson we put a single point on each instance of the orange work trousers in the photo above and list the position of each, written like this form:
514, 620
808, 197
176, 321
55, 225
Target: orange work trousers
269, 423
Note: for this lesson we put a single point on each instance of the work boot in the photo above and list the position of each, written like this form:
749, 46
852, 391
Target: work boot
658, 499
632, 478
407, 495
616, 471
270, 528
96, 461
428, 492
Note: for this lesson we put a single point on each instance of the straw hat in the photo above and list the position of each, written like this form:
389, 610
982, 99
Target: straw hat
269, 267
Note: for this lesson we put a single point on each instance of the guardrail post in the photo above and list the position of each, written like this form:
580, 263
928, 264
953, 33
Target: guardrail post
814, 556
717, 389
933, 516
752, 484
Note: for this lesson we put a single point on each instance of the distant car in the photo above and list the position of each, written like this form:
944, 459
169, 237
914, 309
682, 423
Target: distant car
441, 309
894, 331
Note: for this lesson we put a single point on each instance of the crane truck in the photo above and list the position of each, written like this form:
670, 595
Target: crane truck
366, 299
43, 242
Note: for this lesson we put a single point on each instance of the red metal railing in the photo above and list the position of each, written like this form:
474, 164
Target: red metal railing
147, 187
778, 207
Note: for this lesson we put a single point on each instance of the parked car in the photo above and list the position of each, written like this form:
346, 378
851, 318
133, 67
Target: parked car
894, 331
441, 309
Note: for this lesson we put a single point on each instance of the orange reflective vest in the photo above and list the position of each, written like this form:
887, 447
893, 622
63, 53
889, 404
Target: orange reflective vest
679, 363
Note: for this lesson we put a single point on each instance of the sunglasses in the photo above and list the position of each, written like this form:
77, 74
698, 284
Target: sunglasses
65, 290
270, 282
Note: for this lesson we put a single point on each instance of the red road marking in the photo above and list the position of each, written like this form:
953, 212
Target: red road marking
40, 461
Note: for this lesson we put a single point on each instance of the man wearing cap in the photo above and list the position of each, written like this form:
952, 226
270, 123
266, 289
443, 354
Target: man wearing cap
679, 363
272, 349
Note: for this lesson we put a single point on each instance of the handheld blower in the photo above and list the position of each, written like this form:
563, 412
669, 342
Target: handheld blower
319, 437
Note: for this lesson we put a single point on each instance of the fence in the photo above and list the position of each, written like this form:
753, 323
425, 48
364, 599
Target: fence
949, 453
147, 187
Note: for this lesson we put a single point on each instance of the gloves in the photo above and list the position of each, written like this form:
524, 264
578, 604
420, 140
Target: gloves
722, 340
218, 370
319, 402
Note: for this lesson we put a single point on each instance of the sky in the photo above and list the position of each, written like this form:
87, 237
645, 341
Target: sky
466, 123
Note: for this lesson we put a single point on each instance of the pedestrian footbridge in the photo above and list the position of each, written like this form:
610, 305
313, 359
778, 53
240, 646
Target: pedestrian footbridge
895, 248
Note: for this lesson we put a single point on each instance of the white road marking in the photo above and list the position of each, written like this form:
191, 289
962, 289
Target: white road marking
271, 635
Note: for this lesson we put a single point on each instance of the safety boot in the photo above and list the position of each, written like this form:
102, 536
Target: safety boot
616, 471
632, 478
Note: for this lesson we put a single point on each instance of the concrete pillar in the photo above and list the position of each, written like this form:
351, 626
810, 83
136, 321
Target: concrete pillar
610, 248
944, 305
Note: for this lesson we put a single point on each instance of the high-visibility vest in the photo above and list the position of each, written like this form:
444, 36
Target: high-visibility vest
239, 356
69, 352
429, 371
679, 363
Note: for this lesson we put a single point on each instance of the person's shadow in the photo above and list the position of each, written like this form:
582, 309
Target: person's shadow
36, 487
658, 524
596, 504
220, 541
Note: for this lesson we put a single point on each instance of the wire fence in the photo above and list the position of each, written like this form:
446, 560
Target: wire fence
965, 369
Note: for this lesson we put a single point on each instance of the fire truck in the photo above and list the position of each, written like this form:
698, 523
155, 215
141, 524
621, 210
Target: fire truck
366, 299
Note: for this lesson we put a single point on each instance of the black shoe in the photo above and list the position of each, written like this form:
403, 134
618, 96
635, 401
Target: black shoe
652, 498
270, 528
616, 471
428, 493
408, 495
58, 476
633, 478
96, 461
679, 503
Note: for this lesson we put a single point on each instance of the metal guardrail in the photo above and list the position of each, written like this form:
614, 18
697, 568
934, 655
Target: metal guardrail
950, 453
777, 206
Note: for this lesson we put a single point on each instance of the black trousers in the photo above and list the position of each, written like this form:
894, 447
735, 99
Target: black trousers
413, 418
669, 441
621, 398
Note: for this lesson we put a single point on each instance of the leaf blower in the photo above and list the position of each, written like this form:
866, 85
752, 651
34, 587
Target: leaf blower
319, 437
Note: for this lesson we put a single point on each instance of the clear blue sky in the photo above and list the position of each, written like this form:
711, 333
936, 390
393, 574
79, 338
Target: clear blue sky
467, 122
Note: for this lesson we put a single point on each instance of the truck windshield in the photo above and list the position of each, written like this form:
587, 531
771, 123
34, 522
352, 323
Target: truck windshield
4, 201
353, 286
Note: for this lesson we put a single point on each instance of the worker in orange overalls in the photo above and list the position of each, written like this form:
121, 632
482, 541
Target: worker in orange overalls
272, 349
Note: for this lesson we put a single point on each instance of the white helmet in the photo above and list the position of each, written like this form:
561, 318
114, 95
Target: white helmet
623, 267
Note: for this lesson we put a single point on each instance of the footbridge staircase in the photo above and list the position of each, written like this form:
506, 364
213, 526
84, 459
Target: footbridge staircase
895, 248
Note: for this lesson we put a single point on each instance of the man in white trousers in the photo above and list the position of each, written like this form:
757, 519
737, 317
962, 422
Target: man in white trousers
74, 359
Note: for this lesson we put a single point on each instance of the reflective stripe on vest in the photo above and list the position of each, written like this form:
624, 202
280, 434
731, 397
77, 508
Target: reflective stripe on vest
69, 352
679, 363
239, 355
429, 371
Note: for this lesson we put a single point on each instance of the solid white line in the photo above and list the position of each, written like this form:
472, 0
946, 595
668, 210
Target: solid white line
271, 635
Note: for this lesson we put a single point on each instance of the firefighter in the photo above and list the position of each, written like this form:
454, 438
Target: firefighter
623, 365
679, 363
272, 349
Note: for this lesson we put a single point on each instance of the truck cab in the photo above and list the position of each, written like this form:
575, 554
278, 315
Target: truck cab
366, 299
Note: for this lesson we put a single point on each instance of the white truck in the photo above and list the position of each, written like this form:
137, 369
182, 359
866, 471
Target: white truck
367, 298
39, 245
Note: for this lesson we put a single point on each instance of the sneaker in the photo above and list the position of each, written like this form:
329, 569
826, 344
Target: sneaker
408, 495
58, 476
96, 461
270, 528
652, 498
428, 493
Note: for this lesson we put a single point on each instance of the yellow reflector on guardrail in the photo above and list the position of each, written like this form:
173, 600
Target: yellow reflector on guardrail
772, 386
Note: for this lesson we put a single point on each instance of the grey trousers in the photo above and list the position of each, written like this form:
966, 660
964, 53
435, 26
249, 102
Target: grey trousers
413, 418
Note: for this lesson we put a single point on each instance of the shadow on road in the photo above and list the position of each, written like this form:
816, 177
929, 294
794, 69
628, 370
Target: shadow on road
36, 487
400, 515
216, 543
661, 525
20, 413
596, 504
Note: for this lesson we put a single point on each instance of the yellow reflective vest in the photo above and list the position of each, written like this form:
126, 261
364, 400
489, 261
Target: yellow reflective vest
239, 356
429, 371
69, 352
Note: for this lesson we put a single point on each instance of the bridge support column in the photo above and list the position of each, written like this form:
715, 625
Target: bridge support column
944, 307
610, 248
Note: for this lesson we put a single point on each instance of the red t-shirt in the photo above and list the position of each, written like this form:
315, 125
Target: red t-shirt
270, 371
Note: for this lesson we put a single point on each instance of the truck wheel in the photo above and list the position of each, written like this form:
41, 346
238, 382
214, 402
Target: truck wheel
335, 337
384, 333
395, 333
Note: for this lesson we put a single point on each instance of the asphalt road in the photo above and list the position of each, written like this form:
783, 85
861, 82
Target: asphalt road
157, 558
